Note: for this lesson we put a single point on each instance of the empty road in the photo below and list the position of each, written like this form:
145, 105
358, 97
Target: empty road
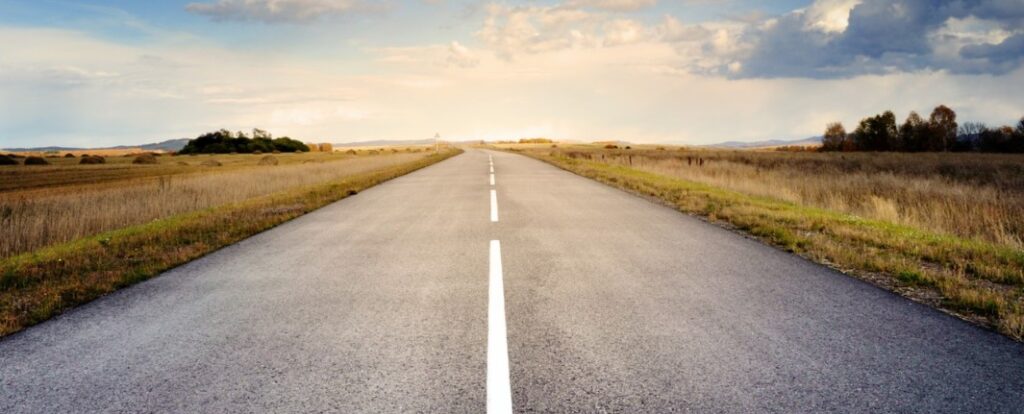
529, 289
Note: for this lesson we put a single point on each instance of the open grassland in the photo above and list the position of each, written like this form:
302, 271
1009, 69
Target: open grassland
944, 229
63, 171
99, 238
41, 217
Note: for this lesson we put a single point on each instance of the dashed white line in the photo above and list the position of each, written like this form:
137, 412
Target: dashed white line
494, 206
499, 384
492, 168
492, 180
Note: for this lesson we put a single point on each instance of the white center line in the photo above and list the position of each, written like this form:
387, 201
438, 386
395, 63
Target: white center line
494, 206
492, 179
499, 384
492, 168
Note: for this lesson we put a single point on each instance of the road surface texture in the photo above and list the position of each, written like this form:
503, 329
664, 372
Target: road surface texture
380, 303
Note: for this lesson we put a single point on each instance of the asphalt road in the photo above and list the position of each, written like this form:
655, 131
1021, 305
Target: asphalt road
381, 303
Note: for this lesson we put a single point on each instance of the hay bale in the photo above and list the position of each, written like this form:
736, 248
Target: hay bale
326, 148
145, 159
5, 160
351, 152
313, 147
87, 159
36, 161
69, 155
268, 160
211, 163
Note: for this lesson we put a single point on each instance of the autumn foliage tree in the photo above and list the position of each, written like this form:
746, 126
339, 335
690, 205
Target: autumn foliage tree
835, 137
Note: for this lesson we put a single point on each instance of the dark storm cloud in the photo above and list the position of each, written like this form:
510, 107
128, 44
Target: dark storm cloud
886, 36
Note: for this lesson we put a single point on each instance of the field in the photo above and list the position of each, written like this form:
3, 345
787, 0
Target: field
944, 229
74, 232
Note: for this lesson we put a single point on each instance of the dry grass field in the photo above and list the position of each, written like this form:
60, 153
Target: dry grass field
943, 228
41, 217
69, 237
64, 171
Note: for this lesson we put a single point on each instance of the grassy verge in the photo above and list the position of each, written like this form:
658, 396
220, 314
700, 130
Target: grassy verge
976, 280
39, 285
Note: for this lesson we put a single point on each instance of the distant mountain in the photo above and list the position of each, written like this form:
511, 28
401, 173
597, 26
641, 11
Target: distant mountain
171, 145
768, 143
384, 143
41, 149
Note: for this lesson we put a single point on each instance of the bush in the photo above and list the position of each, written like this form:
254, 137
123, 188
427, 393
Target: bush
5, 160
36, 161
87, 159
145, 159
268, 160
226, 142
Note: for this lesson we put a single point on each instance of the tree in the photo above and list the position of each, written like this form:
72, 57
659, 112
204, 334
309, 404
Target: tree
968, 136
943, 127
224, 141
876, 133
912, 133
835, 136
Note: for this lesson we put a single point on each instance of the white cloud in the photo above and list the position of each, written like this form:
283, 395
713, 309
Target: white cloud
461, 56
616, 5
830, 16
275, 11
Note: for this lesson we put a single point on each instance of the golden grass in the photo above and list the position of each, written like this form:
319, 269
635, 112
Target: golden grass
38, 218
800, 203
38, 285
969, 195
68, 172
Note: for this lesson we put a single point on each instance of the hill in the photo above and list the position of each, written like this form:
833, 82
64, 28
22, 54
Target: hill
171, 145
765, 144
385, 143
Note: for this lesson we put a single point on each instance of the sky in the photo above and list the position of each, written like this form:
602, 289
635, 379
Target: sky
123, 72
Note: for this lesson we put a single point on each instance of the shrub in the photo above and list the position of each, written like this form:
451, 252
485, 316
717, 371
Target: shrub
88, 159
36, 161
211, 163
225, 142
145, 159
268, 160
5, 160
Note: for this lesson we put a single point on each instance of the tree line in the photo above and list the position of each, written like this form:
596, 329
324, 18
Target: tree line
226, 142
940, 132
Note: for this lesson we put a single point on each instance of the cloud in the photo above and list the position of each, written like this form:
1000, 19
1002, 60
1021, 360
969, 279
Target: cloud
276, 11
844, 38
614, 5
511, 31
461, 56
